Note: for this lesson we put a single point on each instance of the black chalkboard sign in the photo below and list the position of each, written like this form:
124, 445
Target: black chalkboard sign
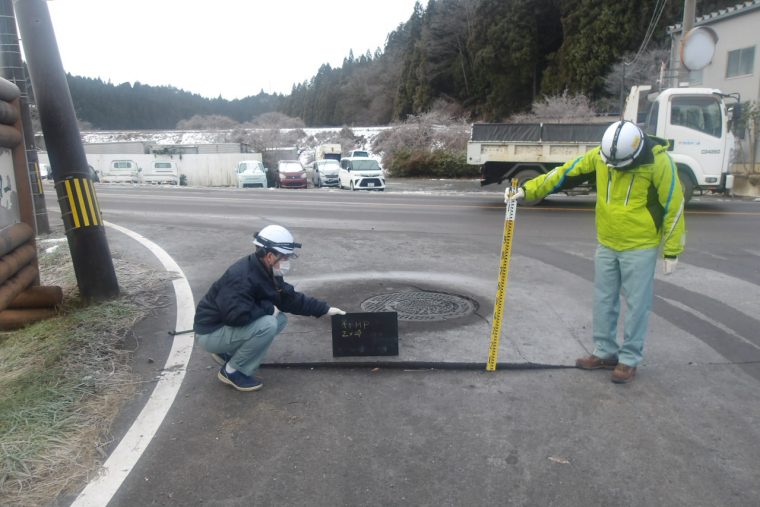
365, 334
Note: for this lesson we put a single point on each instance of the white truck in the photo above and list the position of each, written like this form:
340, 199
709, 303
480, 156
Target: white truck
327, 152
696, 122
160, 172
120, 171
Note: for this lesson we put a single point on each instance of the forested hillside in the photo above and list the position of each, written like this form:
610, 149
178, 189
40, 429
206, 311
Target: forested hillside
489, 58
125, 106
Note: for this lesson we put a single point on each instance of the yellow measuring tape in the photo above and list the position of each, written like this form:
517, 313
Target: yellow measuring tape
498, 310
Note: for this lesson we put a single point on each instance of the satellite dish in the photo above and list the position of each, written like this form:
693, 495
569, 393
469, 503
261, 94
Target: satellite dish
698, 47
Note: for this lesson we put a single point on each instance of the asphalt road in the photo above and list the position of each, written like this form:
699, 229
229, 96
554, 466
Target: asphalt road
684, 432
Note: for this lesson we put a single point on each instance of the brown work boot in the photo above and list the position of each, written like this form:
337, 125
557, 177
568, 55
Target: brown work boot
594, 363
623, 373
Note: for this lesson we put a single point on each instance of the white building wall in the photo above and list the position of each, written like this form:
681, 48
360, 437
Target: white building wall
735, 31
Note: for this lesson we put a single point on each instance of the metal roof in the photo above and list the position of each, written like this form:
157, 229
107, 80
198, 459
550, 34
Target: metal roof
719, 15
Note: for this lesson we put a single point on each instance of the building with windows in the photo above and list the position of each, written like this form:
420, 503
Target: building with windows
734, 66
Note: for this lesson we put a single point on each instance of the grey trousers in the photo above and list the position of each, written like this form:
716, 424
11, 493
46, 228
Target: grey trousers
248, 344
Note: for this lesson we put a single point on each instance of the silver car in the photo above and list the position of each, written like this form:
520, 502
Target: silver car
325, 173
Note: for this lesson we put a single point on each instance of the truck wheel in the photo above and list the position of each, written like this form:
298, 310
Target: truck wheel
687, 186
522, 177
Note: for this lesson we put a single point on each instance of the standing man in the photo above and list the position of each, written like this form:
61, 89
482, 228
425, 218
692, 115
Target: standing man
639, 206
244, 310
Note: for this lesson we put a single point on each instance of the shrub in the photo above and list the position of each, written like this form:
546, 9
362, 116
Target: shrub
434, 130
436, 164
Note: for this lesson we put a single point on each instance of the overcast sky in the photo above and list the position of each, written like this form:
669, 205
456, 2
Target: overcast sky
231, 48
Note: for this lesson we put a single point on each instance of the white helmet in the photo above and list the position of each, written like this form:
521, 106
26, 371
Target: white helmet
622, 142
276, 238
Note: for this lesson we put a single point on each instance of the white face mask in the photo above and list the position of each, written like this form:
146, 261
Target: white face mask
284, 268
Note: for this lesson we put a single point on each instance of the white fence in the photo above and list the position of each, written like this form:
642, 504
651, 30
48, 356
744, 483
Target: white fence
207, 170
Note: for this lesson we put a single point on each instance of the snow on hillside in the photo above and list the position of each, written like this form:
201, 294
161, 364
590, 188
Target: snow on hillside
198, 136
219, 136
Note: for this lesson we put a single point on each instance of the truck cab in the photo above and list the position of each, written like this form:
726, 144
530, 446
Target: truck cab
695, 121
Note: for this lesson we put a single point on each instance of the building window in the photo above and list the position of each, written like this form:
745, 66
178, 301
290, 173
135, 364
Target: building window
741, 62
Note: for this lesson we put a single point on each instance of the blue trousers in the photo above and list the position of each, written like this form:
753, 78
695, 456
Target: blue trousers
633, 271
247, 344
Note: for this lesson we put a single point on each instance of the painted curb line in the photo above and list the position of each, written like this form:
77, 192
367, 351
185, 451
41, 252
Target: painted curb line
121, 461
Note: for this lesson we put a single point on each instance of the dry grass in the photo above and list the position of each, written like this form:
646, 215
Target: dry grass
63, 381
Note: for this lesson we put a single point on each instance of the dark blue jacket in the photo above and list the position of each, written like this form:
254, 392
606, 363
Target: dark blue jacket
247, 292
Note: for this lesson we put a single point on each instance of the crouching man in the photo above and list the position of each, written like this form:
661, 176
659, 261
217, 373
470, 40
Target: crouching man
239, 317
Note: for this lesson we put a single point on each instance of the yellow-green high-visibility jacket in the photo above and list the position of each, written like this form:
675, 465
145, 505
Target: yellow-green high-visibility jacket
636, 208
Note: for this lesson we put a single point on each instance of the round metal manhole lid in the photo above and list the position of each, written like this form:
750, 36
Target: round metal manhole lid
422, 305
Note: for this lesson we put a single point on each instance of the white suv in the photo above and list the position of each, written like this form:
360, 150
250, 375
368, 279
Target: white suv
360, 173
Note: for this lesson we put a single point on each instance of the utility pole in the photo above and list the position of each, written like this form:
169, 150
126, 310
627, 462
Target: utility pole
85, 231
689, 13
11, 68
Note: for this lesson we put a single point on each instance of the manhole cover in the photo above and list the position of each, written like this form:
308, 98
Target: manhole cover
421, 305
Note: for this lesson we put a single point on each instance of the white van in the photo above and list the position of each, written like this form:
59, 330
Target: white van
360, 173
160, 172
251, 174
120, 171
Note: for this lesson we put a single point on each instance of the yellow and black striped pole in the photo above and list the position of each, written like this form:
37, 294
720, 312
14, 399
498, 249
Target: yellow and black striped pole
501, 289
90, 253
79, 204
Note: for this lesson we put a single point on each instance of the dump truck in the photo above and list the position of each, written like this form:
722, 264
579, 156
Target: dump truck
697, 122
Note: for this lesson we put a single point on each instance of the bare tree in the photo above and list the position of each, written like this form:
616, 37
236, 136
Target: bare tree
211, 122
643, 71
275, 120
434, 130
561, 108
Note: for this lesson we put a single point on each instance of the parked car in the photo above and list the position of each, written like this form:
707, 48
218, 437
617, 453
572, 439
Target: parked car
325, 173
357, 153
160, 172
290, 174
360, 173
93, 174
251, 174
47, 174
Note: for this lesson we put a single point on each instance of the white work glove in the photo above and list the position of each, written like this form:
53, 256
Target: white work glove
276, 312
335, 311
518, 195
669, 265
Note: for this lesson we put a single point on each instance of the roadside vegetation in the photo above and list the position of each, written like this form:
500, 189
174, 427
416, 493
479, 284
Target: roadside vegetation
63, 380
746, 163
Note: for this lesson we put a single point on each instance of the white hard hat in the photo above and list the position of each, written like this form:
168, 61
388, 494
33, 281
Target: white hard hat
622, 142
276, 238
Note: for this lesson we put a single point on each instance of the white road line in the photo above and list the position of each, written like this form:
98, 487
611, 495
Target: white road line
118, 466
